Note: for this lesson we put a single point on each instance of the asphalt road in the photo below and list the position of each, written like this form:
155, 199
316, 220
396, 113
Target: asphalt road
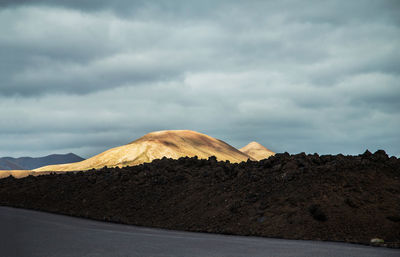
32, 233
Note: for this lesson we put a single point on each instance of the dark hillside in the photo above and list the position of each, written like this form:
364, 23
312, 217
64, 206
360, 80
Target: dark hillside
339, 198
29, 163
7, 164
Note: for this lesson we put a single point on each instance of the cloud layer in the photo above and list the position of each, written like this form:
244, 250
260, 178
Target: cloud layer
295, 76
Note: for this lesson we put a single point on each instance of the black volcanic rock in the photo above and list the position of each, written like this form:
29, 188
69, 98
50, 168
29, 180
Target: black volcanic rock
329, 197
29, 163
366, 154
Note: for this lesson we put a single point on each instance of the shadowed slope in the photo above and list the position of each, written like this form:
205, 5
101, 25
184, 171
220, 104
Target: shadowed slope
22, 166
6, 164
29, 163
256, 151
169, 143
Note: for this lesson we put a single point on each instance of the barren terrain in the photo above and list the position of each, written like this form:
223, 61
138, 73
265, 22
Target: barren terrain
169, 143
336, 198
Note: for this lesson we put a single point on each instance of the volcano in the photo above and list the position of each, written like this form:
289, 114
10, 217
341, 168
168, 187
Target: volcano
256, 151
156, 145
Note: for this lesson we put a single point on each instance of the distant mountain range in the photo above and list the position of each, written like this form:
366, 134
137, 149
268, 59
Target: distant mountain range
168, 143
29, 163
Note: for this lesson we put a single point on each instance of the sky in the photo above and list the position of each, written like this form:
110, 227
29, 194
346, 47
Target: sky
297, 76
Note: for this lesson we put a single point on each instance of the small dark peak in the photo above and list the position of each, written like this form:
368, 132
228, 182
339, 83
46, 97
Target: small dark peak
11, 177
340, 158
281, 156
380, 155
326, 158
366, 154
212, 159
314, 158
300, 155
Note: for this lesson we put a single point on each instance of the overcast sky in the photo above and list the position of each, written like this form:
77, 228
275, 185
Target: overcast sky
297, 76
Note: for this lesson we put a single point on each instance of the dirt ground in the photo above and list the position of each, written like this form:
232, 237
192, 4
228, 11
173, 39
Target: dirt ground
335, 198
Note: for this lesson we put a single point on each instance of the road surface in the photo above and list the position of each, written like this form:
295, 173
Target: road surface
32, 233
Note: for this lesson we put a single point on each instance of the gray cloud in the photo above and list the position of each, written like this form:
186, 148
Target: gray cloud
295, 76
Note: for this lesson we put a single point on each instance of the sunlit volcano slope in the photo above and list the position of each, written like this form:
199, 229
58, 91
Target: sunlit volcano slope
256, 151
169, 143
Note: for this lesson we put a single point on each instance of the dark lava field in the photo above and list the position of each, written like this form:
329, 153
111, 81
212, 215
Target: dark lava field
329, 197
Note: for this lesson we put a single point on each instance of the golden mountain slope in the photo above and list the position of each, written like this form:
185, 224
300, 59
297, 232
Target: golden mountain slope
15, 173
257, 151
169, 143
24, 173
